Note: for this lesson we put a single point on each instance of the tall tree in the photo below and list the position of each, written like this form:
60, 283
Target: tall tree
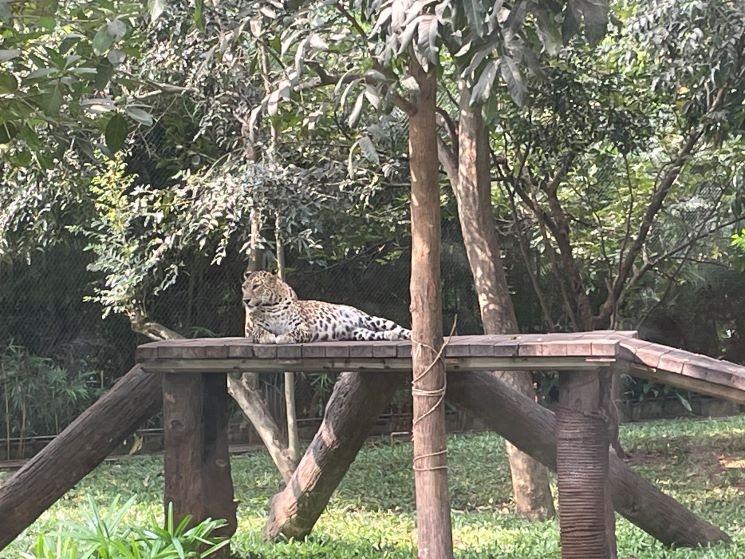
470, 180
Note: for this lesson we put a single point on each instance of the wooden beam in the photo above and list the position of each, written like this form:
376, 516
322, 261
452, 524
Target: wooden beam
558, 352
197, 463
79, 448
369, 365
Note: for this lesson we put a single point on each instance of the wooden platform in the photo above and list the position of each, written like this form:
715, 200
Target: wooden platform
620, 350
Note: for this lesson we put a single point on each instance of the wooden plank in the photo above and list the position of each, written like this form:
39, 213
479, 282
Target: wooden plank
403, 349
289, 351
265, 351
383, 349
458, 347
604, 348
579, 347
371, 365
337, 349
240, 351
313, 350
145, 352
360, 349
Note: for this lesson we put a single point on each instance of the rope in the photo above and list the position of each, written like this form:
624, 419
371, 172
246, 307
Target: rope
438, 393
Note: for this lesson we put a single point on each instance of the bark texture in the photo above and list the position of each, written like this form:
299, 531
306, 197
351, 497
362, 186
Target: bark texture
351, 412
434, 532
472, 187
82, 446
197, 461
586, 517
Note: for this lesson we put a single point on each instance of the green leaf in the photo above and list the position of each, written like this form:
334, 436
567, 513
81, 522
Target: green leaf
104, 71
8, 83
8, 131
116, 133
102, 40
595, 15
684, 402
47, 22
139, 115
117, 29
475, 15
199, 14
482, 89
9, 54
513, 79
368, 149
356, 110
156, 8
52, 101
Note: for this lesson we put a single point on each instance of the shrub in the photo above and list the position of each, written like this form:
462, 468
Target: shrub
106, 536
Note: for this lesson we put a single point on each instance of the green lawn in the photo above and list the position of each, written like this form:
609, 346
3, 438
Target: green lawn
702, 463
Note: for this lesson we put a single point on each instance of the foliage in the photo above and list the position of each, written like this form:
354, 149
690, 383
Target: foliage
371, 515
105, 536
64, 77
39, 396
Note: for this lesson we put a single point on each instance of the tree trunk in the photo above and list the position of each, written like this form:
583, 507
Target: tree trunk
351, 412
293, 439
79, 448
435, 540
472, 189
514, 416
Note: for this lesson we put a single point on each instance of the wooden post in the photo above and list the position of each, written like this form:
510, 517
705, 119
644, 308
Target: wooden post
197, 463
586, 517
428, 388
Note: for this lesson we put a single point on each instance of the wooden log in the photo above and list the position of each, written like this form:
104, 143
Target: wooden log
527, 425
531, 428
197, 462
351, 412
78, 449
586, 518
434, 531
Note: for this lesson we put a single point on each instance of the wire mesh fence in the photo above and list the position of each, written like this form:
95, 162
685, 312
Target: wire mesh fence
58, 354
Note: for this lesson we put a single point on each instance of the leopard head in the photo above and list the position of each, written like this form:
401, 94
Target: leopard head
261, 289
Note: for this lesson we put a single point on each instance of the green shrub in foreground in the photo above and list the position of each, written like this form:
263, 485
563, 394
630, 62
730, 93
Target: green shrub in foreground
107, 537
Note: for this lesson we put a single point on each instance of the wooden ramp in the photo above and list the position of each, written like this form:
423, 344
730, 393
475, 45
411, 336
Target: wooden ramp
619, 350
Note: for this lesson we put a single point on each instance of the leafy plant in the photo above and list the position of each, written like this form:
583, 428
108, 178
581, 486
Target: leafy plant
106, 536
40, 397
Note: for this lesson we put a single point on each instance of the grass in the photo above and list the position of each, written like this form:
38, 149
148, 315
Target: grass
700, 462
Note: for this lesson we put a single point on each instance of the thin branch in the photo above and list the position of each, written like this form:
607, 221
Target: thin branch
532, 274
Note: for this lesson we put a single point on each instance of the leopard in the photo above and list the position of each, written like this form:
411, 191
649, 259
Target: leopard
275, 315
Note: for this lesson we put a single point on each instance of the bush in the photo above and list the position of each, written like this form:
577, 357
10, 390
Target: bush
107, 537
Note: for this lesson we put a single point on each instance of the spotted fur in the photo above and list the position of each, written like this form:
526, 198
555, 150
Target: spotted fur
274, 314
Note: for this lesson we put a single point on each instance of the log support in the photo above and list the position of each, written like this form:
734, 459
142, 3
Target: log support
586, 517
197, 462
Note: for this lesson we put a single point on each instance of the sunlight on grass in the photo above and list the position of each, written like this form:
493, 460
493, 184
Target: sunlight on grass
372, 513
